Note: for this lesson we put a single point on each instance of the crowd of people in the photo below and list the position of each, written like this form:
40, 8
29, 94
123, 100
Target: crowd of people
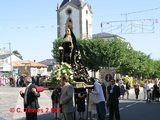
69, 101
4, 81
151, 90
100, 99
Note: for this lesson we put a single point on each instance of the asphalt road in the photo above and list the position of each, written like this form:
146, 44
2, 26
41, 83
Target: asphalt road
139, 110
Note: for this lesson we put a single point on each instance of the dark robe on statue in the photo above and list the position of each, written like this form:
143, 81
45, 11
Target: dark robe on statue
67, 46
69, 52
71, 55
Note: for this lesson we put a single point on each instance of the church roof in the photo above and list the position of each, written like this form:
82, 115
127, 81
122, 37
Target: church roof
48, 62
106, 35
75, 2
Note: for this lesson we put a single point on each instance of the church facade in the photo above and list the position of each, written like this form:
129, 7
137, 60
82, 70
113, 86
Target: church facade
78, 14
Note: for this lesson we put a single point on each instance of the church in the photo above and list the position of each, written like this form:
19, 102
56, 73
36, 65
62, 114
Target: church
79, 14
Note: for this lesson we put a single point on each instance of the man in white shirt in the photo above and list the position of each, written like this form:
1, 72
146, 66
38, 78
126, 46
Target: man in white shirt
100, 100
149, 90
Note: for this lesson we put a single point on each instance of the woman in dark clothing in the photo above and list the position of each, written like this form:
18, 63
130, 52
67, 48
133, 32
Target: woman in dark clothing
155, 92
81, 95
127, 88
136, 89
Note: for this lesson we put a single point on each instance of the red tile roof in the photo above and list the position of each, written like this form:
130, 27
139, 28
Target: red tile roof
29, 63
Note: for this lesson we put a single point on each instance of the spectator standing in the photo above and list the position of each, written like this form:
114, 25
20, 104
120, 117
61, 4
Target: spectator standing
92, 106
81, 95
127, 89
55, 96
159, 87
100, 100
66, 99
122, 89
145, 89
155, 95
113, 100
136, 89
30, 99
104, 90
149, 90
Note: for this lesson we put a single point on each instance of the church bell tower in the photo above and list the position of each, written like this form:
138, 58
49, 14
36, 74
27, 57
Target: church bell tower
78, 14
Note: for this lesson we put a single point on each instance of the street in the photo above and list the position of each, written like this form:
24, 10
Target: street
11, 106
139, 110
133, 109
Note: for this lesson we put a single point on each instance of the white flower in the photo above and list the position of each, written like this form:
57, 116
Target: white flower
60, 70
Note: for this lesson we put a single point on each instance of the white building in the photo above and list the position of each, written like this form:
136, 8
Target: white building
6, 62
79, 14
32, 67
18, 66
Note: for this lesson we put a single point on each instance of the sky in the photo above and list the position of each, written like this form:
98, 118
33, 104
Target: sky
31, 25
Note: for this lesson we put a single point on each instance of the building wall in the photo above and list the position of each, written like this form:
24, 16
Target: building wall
36, 71
6, 65
75, 20
78, 17
86, 15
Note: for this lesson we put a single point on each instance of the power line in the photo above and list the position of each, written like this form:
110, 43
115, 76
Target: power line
140, 11
152, 9
29, 27
132, 26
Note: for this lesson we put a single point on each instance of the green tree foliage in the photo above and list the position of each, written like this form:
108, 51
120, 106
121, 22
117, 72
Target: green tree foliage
98, 52
93, 53
55, 51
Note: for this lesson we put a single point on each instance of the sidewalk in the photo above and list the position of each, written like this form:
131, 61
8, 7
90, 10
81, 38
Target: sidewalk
132, 94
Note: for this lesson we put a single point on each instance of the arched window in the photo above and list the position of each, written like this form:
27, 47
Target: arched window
86, 12
69, 11
87, 28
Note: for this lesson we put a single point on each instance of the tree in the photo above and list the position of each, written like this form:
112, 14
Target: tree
98, 52
55, 51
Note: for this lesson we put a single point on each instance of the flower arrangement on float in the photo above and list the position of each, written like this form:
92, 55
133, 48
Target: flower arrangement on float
61, 70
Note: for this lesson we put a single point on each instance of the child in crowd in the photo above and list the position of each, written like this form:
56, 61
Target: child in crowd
92, 107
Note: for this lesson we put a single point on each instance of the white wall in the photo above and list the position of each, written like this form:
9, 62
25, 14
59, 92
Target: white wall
36, 71
75, 19
6, 64
84, 18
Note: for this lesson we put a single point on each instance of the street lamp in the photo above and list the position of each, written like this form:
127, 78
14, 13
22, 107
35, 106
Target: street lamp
61, 54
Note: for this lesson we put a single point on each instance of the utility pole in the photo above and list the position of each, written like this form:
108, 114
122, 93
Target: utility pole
10, 52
